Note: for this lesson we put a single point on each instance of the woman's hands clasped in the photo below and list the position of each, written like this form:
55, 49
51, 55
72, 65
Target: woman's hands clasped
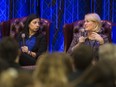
24, 49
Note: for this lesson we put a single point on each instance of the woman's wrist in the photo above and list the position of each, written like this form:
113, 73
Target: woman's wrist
32, 53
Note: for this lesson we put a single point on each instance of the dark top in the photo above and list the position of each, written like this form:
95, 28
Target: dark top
36, 43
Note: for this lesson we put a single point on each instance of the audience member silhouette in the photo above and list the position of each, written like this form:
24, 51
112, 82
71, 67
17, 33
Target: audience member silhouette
82, 57
52, 70
9, 51
12, 78
103, 73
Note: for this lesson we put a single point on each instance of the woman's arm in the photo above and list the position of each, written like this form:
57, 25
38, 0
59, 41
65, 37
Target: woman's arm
33, 54
73, 43
25, 49
81, 40
41, 45
97, 37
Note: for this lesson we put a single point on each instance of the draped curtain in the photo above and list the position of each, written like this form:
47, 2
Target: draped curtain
58, 12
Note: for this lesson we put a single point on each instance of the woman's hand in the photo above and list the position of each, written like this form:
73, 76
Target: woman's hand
33, 54
24, 49
82, 39
97, 37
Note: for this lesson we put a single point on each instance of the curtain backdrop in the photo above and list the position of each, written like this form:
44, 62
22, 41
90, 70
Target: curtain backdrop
58, 12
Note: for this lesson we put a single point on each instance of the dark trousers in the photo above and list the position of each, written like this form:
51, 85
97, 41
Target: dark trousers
26, 60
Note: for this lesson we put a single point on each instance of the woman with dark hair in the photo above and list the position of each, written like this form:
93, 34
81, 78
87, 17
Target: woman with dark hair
32, 42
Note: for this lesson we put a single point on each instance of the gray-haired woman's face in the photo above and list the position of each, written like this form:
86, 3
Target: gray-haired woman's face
34, 25
89, 25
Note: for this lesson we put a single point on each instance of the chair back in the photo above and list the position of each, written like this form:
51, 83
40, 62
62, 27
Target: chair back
14, 26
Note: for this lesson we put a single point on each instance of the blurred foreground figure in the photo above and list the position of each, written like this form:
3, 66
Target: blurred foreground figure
52, 70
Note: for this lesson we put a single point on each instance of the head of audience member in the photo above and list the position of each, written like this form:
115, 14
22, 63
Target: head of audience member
82, 57
52, 70
9, 49
92, 22
3, 65
107, 51
99, 75
32, 24
12, 78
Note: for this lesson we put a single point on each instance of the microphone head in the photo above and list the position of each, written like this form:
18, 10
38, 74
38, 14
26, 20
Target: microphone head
23, 35
83, 32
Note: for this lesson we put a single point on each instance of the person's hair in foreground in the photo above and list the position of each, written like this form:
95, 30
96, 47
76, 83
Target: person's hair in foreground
107, 51
12, 78
82, 57
102, 74
3, 65
9, 49
52, 70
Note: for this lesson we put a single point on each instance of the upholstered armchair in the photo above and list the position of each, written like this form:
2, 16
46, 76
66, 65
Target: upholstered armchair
70, 29
13, 26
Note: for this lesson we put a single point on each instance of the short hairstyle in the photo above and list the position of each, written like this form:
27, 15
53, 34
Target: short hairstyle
82, 56
107, 51
102, 74
95, 18
9, 49
12, 78
3, 65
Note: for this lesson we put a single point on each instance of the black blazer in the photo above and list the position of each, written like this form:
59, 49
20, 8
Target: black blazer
40, 45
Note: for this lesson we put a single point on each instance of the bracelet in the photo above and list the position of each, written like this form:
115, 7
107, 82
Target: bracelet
29, 52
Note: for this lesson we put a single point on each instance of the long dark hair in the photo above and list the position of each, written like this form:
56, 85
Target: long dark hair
27, 22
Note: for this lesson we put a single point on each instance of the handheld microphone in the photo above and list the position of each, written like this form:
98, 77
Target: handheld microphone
23, 39
83, 32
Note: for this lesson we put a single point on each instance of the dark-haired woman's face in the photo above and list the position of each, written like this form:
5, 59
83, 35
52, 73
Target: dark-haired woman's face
34, 25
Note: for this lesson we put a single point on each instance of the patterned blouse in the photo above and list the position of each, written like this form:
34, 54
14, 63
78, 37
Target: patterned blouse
92, 43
